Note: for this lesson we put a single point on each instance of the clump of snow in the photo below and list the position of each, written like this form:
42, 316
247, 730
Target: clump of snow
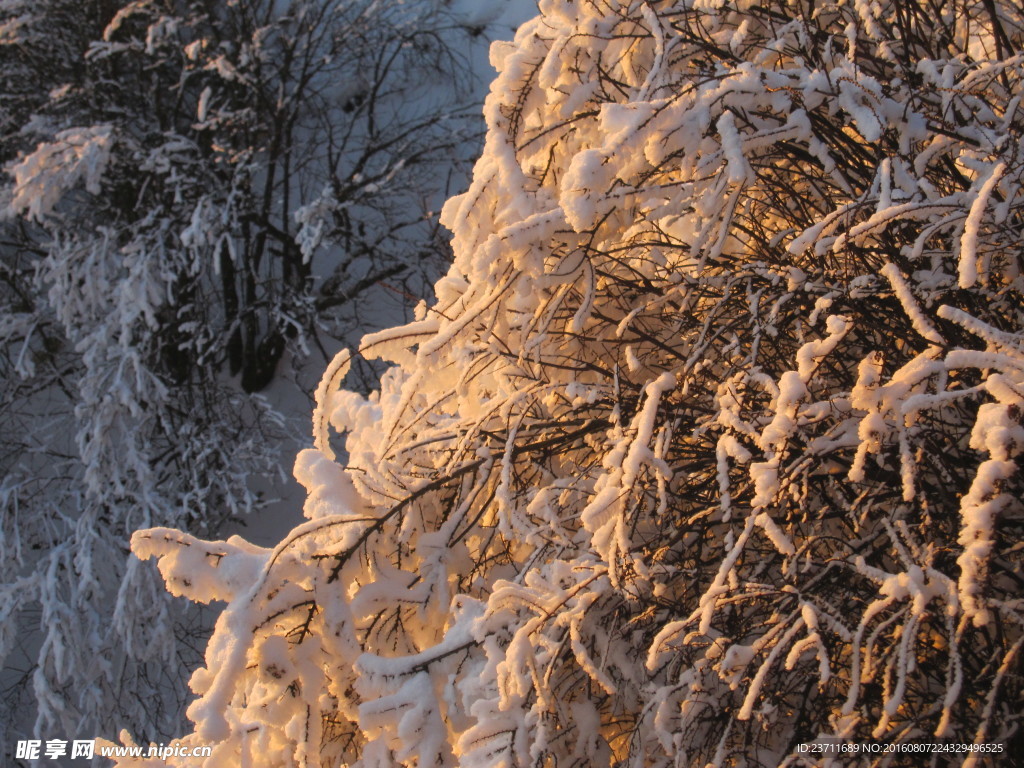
43, 177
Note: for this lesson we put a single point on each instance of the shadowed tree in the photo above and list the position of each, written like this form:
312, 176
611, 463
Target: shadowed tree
198, 197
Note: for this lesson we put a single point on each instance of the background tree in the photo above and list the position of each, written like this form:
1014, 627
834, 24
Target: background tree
711, 443
199, 196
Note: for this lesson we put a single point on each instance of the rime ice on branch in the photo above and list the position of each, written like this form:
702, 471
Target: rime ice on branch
711, 442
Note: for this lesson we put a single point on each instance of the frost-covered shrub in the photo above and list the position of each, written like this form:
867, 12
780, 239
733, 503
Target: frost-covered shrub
710, 445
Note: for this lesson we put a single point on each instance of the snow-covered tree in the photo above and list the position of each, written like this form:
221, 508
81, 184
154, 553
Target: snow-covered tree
196, 194
711, 443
